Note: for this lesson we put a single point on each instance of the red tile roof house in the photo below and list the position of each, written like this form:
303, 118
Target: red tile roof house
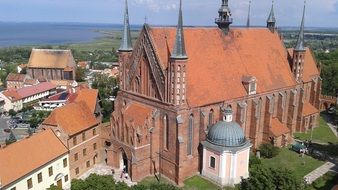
16, 99
32, 164
14, 80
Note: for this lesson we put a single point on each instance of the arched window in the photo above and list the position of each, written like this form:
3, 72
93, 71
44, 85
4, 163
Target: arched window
211, 117
190, 135
137, 85
166, 132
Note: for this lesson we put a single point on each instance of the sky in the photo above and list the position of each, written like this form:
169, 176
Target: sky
320, 13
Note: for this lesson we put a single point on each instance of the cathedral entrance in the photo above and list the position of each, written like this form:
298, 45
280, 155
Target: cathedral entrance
124, 161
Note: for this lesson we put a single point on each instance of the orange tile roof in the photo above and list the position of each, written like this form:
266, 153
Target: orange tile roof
89, 96
72, 118
217, 62
309, 109
16, 77
47, 58
277, 128
310, 66
27, 155
137, 113
12, 94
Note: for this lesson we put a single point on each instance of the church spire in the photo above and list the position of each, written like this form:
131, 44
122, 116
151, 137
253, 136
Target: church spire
224, 17
248, 21
271, 22
300, 41
179, 48
126, 44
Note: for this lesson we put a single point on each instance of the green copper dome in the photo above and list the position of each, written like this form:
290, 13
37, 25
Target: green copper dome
226, 134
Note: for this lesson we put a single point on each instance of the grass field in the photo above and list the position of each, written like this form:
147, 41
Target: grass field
322, 134
111, 39
292, 161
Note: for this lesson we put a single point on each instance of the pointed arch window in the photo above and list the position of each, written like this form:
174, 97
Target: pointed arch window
190, 135
211, 117
166, 132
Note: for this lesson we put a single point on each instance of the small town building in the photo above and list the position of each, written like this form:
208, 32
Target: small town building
51, 64
15, 80
36, 162
16, 99
226, 152
78, 128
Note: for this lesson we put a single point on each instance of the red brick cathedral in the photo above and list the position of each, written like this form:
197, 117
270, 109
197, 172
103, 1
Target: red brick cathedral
175, 82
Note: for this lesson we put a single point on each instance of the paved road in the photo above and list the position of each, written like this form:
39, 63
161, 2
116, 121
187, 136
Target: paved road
3, 125
317, 173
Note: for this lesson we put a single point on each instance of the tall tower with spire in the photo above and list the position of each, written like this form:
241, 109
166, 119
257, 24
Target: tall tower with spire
224, 17
177, 69
248, 21
125, 49
299, 52
271, 22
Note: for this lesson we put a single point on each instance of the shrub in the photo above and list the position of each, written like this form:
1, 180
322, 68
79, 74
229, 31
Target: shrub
268, 150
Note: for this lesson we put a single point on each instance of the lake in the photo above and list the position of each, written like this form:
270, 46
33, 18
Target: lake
21, 34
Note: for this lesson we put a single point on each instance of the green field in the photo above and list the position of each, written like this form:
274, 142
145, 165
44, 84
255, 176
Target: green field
292, 161
111, 39
321, 134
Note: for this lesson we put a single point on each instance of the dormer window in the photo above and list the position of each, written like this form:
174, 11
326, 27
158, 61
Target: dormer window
250, 84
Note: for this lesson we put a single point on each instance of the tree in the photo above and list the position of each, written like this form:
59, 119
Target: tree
80, 74
53, 187
12, 113
262, 178
267, 150
11, 139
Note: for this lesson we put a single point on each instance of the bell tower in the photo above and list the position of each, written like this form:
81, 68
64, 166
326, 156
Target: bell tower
126, 48
177, 69
299, 51
224, 17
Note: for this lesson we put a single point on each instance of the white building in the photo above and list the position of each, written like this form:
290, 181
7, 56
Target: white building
35, 163
16, 99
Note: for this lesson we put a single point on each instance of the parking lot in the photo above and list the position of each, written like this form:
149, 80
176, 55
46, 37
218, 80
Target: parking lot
3, 125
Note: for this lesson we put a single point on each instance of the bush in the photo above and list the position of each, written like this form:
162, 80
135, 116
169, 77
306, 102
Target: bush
254, 161
268, 150
12, 113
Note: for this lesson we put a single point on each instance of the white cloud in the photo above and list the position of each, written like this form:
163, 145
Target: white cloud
157, 5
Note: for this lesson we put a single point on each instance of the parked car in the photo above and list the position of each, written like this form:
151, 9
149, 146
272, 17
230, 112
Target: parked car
298, 147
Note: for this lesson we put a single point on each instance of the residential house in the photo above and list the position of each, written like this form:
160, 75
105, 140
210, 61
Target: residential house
16, 99
36, 162
79, 130
15, 80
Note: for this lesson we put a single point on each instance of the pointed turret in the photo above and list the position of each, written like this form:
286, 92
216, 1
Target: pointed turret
224, 17
271, 22
179, 48
177, 70
126, 44
248, 21
299, 53
300, 42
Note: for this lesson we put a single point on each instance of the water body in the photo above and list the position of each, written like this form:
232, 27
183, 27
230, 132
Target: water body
23, 34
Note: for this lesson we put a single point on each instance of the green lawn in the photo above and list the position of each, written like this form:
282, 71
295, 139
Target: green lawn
199, 183
321, 134
193, 183
292, 161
